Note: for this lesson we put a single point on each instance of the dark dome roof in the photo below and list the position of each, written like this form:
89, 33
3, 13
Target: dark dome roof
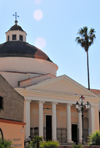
16, 27
21, 49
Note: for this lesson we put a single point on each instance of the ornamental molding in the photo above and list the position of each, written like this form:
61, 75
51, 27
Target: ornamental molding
59, 78
33, 94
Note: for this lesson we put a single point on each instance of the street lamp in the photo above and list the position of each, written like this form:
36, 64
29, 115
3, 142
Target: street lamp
81, 108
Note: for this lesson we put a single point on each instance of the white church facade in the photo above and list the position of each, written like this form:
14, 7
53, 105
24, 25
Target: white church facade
49, 106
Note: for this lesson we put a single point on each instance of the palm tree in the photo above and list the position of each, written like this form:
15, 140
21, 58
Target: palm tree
86, 39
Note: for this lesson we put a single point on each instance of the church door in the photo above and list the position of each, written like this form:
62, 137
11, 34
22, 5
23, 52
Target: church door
74, 133
48, 127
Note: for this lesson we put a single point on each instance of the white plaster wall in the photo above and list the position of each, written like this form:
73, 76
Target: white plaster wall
35, 80
21, 64
17, 32
14, 78
15, 69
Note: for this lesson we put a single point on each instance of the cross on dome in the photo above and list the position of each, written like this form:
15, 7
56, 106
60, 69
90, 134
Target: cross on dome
15, 17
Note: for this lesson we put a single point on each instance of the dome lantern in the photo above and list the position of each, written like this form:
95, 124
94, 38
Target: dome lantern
16, 33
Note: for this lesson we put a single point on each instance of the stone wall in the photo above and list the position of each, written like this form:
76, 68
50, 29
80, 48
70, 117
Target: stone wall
12, 101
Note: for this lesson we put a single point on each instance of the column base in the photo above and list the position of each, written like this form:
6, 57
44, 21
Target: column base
70, 142
80, 142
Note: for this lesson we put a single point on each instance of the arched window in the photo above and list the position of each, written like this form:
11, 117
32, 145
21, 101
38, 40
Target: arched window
1, 134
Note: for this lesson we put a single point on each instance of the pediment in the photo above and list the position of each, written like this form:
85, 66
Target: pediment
62, 84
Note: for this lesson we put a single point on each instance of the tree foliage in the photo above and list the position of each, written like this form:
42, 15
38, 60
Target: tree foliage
5, 143
85, 38
77, 146
35, 142
49, 144
94, 139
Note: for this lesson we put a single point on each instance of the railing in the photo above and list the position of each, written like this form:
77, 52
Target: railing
86, 135
34, 131
61, 134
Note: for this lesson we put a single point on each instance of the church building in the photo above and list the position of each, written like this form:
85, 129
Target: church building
49, 106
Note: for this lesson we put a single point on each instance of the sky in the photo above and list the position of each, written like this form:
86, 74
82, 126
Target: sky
52, 26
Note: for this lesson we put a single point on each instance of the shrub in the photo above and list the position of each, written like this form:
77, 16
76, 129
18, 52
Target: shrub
49, 144
94, 139
5, 143
77, 146
35, 142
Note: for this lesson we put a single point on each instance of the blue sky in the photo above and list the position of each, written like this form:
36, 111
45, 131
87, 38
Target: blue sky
58, 27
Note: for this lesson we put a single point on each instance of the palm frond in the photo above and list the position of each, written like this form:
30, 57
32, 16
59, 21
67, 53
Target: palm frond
85, 38
92, 31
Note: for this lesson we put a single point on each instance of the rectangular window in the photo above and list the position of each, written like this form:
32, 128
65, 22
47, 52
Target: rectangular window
14, 37
1, 102
20, 37
8, 38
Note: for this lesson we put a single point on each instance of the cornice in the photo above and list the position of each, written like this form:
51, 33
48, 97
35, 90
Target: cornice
54, 95
65, 78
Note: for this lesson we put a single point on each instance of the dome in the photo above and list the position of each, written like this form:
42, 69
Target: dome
16, 27
21, 49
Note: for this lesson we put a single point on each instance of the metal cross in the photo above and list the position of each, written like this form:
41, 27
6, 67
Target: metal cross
15, 16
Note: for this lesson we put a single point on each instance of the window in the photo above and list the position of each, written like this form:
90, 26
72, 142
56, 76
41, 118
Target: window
1, 102
8, 38
20, 37
14, 37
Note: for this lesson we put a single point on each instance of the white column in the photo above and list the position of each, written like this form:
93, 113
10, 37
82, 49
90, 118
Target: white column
89, 116
41, 118
80, 127
92, 119
69, 133
54, 128
27, 113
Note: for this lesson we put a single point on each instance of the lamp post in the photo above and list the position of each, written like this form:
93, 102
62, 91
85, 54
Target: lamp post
82, 107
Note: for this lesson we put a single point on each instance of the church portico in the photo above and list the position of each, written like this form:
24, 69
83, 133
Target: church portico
63, 117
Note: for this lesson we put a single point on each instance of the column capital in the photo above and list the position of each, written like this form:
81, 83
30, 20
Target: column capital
40, 101
69, 104
27, 100
54, 102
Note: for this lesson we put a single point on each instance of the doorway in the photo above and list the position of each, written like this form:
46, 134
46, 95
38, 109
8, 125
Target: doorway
1, 134
74, 133
48, 127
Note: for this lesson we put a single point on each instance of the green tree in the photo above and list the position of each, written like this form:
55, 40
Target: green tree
86, 39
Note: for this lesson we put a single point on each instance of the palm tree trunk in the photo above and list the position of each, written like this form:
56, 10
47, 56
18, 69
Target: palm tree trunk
88, 71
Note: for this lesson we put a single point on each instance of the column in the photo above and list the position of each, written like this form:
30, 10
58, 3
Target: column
54, 128
92, 119
41, 118
80, 127
89, 116
68, 112
27, 115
